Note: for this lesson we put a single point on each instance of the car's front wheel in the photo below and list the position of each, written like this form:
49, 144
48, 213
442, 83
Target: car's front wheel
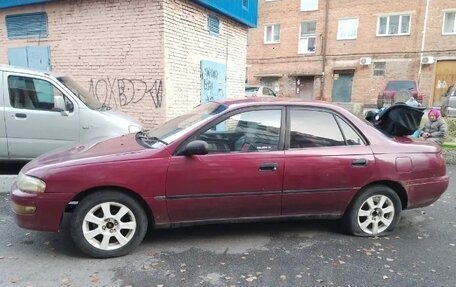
374, 212
108, 224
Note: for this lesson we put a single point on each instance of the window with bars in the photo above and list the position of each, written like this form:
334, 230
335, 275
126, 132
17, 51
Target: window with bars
393, 25
213, 24
272, 34
32, 25
449, 23
307, 37
379, 69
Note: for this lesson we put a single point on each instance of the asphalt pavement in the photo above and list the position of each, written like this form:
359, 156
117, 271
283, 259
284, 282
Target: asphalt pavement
421, 252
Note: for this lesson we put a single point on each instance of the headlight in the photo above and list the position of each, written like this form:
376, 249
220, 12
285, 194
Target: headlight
30, 184
133, 129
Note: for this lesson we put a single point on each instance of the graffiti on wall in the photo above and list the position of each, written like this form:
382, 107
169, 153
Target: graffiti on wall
124, 92
213, 81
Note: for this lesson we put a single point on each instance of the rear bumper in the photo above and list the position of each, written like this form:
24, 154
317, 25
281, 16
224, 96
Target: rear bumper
38, 211
424, 192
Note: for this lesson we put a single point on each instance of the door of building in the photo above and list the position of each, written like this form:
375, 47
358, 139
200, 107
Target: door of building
213, 81
305, 87
445, 76
342, 86
34, 57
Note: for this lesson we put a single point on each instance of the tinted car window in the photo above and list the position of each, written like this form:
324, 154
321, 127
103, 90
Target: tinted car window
251, 90
314, 129
245, 132
33, 94
351, 137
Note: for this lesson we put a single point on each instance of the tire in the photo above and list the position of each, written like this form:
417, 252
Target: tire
114, 235
365, 216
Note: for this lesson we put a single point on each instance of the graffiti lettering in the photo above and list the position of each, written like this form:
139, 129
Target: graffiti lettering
124, 92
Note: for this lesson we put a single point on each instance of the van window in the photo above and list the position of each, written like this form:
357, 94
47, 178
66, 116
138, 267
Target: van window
35, 94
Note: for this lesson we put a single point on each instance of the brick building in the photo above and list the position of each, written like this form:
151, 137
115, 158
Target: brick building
345, 51
153, 59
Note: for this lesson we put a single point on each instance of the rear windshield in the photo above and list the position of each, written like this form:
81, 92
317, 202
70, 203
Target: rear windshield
401, 85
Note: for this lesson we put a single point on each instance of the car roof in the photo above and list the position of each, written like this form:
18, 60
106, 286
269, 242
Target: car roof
15, 69
277, 101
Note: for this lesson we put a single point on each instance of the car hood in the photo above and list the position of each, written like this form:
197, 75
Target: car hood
120, 116
97, 151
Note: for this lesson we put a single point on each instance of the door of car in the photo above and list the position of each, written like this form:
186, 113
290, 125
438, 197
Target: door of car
326, 161
241, 176
38, 116
3, 142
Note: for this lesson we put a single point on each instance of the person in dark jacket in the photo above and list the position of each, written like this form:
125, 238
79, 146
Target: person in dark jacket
436, 129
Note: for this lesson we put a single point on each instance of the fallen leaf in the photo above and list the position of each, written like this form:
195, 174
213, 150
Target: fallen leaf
66, 282
341, 262
385, 277
390, 259
251, 279
298, 276
283, 277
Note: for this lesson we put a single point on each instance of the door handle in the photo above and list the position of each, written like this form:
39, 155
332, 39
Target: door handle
268, 167
20, 115
359, 162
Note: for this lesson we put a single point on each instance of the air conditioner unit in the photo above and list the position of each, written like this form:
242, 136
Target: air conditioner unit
427, 60
365, 61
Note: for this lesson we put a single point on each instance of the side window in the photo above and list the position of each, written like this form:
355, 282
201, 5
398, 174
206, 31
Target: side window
314, 129
245, 132
35, 94
268, 92
351, 137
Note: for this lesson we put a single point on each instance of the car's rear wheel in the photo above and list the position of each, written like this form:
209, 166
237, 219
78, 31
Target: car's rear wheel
374, 212
108, 224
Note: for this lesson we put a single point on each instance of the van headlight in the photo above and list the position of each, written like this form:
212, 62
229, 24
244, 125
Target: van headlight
30, 184
133, 129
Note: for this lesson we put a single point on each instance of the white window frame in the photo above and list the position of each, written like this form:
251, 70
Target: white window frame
306, 39
312, 5
443, 24
399, 25
343, 37
265, 40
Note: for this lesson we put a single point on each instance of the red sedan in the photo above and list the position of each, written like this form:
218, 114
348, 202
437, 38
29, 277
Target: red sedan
230, 161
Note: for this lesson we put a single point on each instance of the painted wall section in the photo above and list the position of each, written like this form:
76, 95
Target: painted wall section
14, 3
235, 9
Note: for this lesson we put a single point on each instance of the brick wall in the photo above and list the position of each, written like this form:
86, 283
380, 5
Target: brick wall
187, 42
112, 48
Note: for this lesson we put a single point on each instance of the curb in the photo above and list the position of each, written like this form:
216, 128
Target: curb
5, 182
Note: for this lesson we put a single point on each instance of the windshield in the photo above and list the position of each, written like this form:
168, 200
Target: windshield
90, 101
400, 85
176, 127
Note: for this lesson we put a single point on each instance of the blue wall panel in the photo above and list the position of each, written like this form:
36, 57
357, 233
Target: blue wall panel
14, 3
235, 9
213, 81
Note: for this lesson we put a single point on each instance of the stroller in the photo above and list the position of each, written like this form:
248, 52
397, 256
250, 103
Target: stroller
398, 120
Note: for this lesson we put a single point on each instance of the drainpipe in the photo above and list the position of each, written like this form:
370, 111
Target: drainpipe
423, 41
324, 42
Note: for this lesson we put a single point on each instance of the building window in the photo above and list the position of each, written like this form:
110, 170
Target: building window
393, 25
213, 24
272, 34
309, 5
347, 29
307, 37
449, 23
245, 4
33, 25
379, 69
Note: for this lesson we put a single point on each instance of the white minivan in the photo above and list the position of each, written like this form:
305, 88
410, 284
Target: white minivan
40, 111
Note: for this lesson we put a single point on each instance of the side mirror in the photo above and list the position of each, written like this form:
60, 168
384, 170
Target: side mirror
59, 103
197, 147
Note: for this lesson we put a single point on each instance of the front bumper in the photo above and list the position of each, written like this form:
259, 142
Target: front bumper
42, 211
424, 192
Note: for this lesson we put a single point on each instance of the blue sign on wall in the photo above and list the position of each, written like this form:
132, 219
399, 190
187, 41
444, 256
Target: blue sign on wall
213, 81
